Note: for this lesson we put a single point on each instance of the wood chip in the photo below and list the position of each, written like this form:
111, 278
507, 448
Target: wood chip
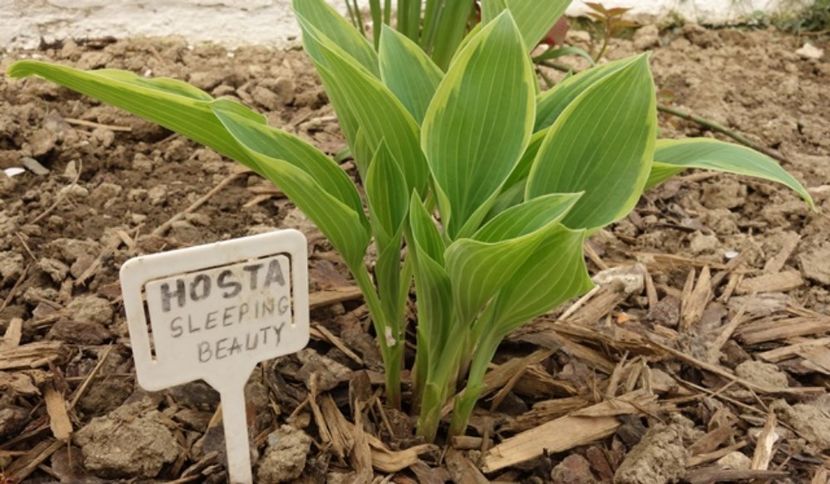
774, 330
700, 459
707, 475
24, 465
14, 332
321, 299
556, 436
361, 454
325, 334
32, 355
822, 476
817, 357
602, 303
696, 297
785, 352
564, 433
712, 440
58, 417
670, 261
462, 470
502, 374
390, 462
764, 445
780, 282
789, 241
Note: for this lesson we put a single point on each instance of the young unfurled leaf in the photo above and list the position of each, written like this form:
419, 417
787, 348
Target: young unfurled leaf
408, 72
387, 194
479, 121
315, 184
602, 144
481, 266
434, 301
673, 156
173, 104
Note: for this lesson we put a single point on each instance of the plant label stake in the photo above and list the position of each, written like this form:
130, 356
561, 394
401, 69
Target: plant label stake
215, 311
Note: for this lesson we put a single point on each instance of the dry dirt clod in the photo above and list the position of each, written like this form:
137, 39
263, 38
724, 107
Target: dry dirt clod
11, 266
285, 457
702, 243
647, 37
56, 269
632, 278
815, 264
762, 374
114, 446
79, 332
725, 193
660, 456
808, 420
329, 373
737, 461
90, 309
573, 469
12, 421
42, 142
810, 51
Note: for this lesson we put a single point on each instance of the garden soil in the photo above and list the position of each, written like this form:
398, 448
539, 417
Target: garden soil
702, 356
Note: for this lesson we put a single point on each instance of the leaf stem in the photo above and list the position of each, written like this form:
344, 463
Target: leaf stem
392, 354
466, 401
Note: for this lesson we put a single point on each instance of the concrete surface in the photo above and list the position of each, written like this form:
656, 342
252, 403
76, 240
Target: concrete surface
236, 22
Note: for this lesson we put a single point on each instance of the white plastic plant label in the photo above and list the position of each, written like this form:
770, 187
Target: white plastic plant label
214, 312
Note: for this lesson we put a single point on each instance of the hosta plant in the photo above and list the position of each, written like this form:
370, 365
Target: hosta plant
479, 189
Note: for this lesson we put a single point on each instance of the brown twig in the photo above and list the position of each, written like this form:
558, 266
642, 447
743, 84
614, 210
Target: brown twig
161, 229
707, 123
79, 392
15, 288
90, 124
719, 128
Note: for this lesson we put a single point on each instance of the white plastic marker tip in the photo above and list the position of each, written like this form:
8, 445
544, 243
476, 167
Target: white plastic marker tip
215, 311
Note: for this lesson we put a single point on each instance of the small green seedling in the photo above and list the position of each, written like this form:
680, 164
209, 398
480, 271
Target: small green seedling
479, 188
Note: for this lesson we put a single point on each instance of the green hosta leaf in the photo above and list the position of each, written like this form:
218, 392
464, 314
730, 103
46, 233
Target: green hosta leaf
490, 9
602, 144
388, 279
325, 19
660, 172
408, 72
554, 273
551, 103
534, 17
363, 97
424, 231
674, 156
387, 195
478, 124
173, 104
312, 181
433, 288
527, 217
480, 267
